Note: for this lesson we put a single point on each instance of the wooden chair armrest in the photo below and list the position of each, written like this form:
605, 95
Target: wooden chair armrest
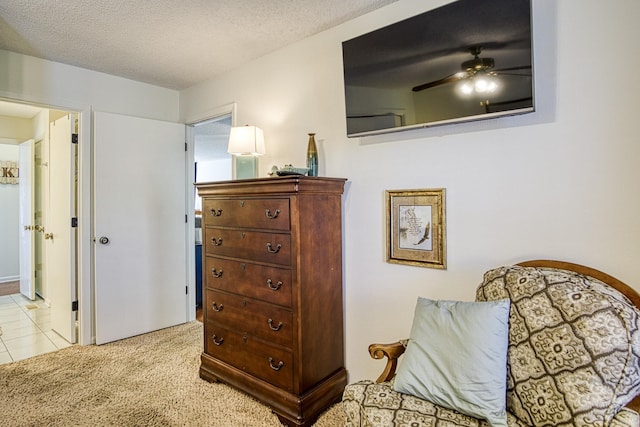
634, 404
392, 352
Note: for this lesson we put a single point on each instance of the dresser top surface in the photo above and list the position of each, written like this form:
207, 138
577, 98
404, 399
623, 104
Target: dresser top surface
275, 185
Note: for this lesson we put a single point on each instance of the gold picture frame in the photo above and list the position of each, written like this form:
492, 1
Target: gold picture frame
416, 227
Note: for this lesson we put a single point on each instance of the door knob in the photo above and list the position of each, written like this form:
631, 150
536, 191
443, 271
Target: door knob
48, 236
103, 240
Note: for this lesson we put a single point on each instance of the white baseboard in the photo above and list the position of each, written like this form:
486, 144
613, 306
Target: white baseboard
9, 279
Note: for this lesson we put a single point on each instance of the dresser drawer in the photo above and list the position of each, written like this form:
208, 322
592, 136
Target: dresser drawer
269, 284
250, 245
266, 321
265, 361
272, 214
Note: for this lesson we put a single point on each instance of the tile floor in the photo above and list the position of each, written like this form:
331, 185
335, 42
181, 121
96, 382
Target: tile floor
25, 329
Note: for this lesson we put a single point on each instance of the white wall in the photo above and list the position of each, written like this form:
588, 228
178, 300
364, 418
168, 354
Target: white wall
58, 85
9, 213
561, 183
52, 84
213, 170
13, 129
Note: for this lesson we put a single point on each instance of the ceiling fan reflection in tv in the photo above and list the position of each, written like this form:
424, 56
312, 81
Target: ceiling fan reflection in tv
418, 73
477, 75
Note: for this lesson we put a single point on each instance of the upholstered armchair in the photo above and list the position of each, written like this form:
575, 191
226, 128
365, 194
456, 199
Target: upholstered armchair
572, 358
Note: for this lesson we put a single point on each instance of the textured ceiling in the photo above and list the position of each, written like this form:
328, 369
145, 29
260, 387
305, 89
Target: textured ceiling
169, 43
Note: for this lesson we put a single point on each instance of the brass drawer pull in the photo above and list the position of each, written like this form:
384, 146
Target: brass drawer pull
275, 328
216, 212
274, 216
217, 341
273, 287
217, 307
273, 251
215, 273
216, 242
277, 367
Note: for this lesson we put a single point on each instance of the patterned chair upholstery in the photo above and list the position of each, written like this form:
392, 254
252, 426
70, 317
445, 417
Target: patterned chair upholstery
573, 356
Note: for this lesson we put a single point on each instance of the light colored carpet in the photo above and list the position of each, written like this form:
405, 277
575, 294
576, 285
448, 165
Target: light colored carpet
149, 380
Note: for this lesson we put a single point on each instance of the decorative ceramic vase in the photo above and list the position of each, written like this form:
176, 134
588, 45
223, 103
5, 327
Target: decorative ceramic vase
312, 156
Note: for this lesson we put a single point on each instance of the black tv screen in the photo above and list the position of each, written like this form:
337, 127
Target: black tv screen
467, 60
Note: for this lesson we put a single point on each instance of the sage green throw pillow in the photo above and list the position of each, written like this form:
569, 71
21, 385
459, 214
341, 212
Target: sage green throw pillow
457, 357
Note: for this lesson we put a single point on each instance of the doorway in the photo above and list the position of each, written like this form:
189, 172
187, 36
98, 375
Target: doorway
212, 162
27, 124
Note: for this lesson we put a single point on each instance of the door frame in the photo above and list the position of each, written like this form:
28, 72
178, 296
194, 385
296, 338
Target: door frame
84, 249
27, 240
191, 217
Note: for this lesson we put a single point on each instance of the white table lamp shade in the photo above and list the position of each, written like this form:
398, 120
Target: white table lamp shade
246, 141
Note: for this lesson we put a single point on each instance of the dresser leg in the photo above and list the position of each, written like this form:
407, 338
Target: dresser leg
290, 423
207, 375
284, 421
309, 421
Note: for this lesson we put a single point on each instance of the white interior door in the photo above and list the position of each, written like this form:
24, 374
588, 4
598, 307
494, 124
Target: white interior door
60, 236
27, 252
140, 227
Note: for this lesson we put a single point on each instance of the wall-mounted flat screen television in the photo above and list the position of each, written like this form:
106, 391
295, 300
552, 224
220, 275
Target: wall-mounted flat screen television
466, 60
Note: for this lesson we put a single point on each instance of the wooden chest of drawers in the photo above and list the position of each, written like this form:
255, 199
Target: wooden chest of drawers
273, 310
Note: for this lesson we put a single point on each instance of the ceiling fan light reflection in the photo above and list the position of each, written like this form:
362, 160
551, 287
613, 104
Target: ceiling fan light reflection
466, 88
480, 84
483, 85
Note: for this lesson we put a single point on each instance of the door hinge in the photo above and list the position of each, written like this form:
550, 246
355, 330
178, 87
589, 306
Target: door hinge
74, 138
186, 218
74, 306
185, 146
74, 222
186, 290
